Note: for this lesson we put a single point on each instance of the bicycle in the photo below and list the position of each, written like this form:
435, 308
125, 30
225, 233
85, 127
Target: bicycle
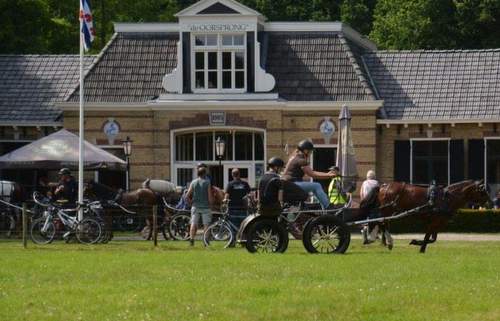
55, 218
222, 232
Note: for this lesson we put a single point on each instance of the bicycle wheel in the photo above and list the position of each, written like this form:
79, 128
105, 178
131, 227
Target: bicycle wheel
42, 232
106, 233
179, 227
88, 231
218, 235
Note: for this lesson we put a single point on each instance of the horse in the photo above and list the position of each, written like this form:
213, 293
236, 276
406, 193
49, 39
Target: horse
397, 197
169, 191
152, 192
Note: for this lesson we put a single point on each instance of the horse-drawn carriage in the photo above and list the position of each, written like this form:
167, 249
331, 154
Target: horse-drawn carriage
329, 231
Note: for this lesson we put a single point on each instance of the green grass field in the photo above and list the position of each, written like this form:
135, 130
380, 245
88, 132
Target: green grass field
132, 281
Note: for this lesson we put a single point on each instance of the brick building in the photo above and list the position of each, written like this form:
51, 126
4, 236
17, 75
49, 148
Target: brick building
225, 72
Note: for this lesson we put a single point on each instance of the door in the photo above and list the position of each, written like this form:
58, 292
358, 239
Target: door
247, 173
322, 159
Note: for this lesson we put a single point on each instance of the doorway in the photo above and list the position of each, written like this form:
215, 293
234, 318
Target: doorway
322, 159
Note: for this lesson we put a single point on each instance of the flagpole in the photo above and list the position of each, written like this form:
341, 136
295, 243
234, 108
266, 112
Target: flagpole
81, 124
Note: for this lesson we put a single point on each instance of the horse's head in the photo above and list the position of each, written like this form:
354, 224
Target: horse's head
477, 193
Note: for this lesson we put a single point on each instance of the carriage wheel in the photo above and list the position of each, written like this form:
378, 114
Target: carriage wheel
179, 227
88, 231
42, 232
7, 224
326, 234
267, 236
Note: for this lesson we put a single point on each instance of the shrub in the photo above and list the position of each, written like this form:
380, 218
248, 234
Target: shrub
465, 221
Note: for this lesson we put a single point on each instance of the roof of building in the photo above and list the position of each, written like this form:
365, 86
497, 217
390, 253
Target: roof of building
307, 67
131, 68
31, 84
315, 67
437, 85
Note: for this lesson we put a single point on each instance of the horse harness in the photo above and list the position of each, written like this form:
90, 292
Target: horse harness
437, 201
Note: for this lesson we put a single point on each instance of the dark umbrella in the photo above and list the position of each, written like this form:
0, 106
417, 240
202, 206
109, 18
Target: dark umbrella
58, 150
346, 160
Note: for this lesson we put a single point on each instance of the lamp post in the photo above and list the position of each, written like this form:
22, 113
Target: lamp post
127, 150
220, 148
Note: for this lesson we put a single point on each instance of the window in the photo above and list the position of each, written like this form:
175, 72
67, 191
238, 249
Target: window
240, 146
184, 147
219, 62
204, 146
244, 146
244, 149
430, 162
184, 176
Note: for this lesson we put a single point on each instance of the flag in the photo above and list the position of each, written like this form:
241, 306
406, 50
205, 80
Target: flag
86, 21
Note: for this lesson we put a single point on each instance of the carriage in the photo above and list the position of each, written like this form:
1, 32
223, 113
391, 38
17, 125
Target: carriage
329, 231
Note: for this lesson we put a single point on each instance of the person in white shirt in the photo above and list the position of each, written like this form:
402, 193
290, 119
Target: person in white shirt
368, 185
369, 203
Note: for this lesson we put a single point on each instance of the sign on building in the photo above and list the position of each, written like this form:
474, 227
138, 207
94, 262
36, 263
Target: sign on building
217, 118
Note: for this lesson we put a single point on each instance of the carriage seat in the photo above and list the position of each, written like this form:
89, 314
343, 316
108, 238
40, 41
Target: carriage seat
292, 193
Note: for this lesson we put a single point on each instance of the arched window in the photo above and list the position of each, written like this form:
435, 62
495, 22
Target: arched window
244, 149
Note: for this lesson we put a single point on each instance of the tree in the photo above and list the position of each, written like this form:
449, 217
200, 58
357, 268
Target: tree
414, 24
478, 23
25, 26
358, 14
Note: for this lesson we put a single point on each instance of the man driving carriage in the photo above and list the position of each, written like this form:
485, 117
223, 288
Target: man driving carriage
298, 167
270, 191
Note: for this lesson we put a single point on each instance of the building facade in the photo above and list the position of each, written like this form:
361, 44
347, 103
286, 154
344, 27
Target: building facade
224, 72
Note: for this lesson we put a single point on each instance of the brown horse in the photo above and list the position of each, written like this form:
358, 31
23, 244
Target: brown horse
146, 196
398, 197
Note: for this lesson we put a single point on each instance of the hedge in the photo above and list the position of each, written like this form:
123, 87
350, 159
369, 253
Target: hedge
465, 221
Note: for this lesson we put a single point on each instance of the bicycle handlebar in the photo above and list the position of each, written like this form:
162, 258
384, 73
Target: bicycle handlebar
35, 199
